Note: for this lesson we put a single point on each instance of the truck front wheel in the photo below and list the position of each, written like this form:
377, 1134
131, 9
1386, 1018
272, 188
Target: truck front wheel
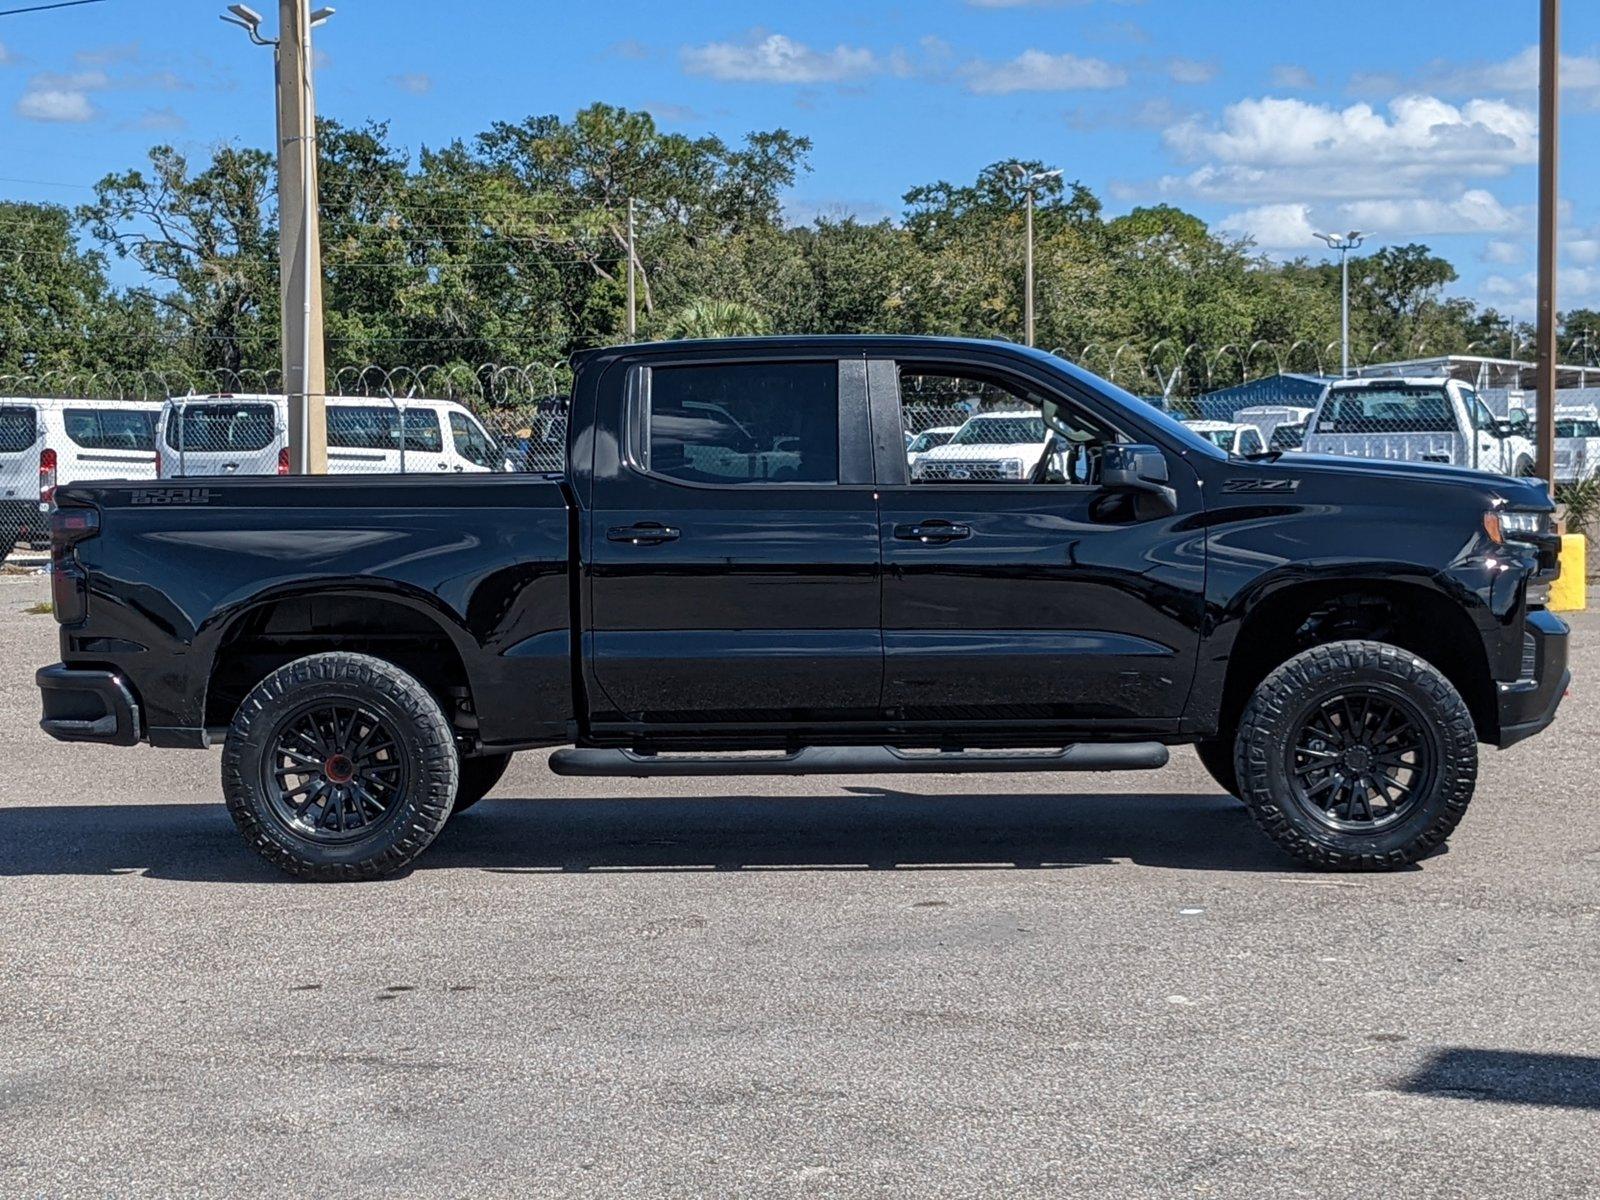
1357, 756
340, 766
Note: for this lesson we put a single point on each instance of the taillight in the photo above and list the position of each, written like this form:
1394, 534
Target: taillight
47, 475
283, 460
69, 587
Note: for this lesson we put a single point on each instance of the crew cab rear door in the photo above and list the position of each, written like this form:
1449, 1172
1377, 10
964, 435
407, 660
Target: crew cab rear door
1017, 591
733, 547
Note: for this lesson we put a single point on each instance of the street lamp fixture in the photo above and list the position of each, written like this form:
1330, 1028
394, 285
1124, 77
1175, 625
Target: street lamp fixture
1029, 182
249, 20
1344, 243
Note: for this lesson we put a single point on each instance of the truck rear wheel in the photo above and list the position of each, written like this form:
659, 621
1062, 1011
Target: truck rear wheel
1357, 756
339, 766
478, 777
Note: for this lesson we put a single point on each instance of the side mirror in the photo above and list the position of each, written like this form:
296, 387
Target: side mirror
1502, 429
1138, 469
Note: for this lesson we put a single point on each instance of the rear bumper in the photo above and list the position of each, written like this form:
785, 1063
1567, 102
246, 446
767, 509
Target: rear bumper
1529, 705
88, 706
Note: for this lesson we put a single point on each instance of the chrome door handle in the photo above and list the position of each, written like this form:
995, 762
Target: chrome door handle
932, 533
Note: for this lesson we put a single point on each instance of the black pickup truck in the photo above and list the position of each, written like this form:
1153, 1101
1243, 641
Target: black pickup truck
741, 572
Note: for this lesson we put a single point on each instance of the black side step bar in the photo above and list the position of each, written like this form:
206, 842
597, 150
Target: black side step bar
860, 760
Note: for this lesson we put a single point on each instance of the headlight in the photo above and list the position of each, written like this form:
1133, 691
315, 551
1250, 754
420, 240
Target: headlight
1011, 468
1502, 526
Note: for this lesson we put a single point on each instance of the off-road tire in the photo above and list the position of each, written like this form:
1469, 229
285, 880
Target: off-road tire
478, 777
1272, 718
421, 734
1216, 756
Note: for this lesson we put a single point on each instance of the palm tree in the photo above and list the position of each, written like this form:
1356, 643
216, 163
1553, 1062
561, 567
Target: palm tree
705, 318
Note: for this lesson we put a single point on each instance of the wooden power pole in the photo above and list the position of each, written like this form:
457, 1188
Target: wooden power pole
1549, 155
300, 244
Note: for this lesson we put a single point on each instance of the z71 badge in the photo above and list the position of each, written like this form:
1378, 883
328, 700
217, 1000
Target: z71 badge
197, 495
1275, 486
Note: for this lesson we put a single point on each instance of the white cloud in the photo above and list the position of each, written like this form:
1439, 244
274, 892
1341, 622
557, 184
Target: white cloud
55, 104
1580, 74
1036, 71
418, 83
1293, 77
1583, 247
1273, 149
1272, 226
1190, 70
1505, 254
1474, 211
166, 119
778, 59
6, 56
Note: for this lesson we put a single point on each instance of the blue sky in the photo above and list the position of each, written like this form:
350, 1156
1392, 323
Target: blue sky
1417, 124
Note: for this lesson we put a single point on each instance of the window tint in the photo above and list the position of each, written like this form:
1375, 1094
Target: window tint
19, 429
110, 428
202, 427
1006, 432
1387, 410
472, 443
379, 427
1578, 428
745, 423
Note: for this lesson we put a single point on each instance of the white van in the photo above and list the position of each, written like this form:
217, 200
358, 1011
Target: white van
1577, 442
46, 443
248, 435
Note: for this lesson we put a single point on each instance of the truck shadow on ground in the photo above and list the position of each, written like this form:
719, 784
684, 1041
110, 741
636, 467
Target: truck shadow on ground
1509, 1077
863, 829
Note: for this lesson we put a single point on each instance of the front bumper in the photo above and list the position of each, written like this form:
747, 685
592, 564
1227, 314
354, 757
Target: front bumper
88, 706
1529, 705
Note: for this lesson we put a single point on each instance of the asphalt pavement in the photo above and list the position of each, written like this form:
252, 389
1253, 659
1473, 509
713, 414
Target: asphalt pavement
1099, 986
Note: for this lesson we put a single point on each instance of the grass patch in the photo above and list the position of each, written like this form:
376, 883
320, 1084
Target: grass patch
42, 609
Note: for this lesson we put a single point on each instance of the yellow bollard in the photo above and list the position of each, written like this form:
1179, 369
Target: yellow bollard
1569, 593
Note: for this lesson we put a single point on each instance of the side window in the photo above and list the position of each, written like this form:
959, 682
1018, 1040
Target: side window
471, 442
378, 428
1250, 442
744, 423
1003, 432
19, 429
110, 428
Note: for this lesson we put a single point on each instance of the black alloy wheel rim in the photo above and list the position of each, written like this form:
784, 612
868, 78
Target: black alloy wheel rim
1361, 760
334, 772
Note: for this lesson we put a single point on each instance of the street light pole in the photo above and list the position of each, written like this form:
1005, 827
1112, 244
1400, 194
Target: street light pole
1029, 182
1549, 153
1344, 243
299, 229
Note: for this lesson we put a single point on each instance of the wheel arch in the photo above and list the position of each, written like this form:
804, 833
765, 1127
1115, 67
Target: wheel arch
1413, 615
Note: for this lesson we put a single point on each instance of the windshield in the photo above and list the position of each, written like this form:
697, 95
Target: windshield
1396, 408
1586, 428
1222, 439
929, 440
1000, 431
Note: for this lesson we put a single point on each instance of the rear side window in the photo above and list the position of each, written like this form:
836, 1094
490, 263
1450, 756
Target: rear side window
1387, 410
744, 423
380, 427
19, 429
110, 428
227, 427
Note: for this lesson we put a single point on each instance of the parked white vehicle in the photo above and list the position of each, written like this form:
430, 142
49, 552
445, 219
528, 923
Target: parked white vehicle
248, 435
929, 439
45, 443
1577, 442
1268, 417
990, 448
1231, 436
1417, 419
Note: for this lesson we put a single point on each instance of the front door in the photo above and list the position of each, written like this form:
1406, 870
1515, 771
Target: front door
735, 574
1016, 589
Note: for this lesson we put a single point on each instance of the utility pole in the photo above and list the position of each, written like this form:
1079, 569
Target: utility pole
300, 244
633, 299
1343, 243
1549, 153
1029, 182
299, 228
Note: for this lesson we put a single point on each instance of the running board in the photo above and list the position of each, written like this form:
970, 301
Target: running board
860, 760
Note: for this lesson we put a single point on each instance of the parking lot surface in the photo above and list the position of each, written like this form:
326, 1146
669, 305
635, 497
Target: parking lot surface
1032, 986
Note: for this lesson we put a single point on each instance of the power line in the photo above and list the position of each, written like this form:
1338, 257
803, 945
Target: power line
11, 12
